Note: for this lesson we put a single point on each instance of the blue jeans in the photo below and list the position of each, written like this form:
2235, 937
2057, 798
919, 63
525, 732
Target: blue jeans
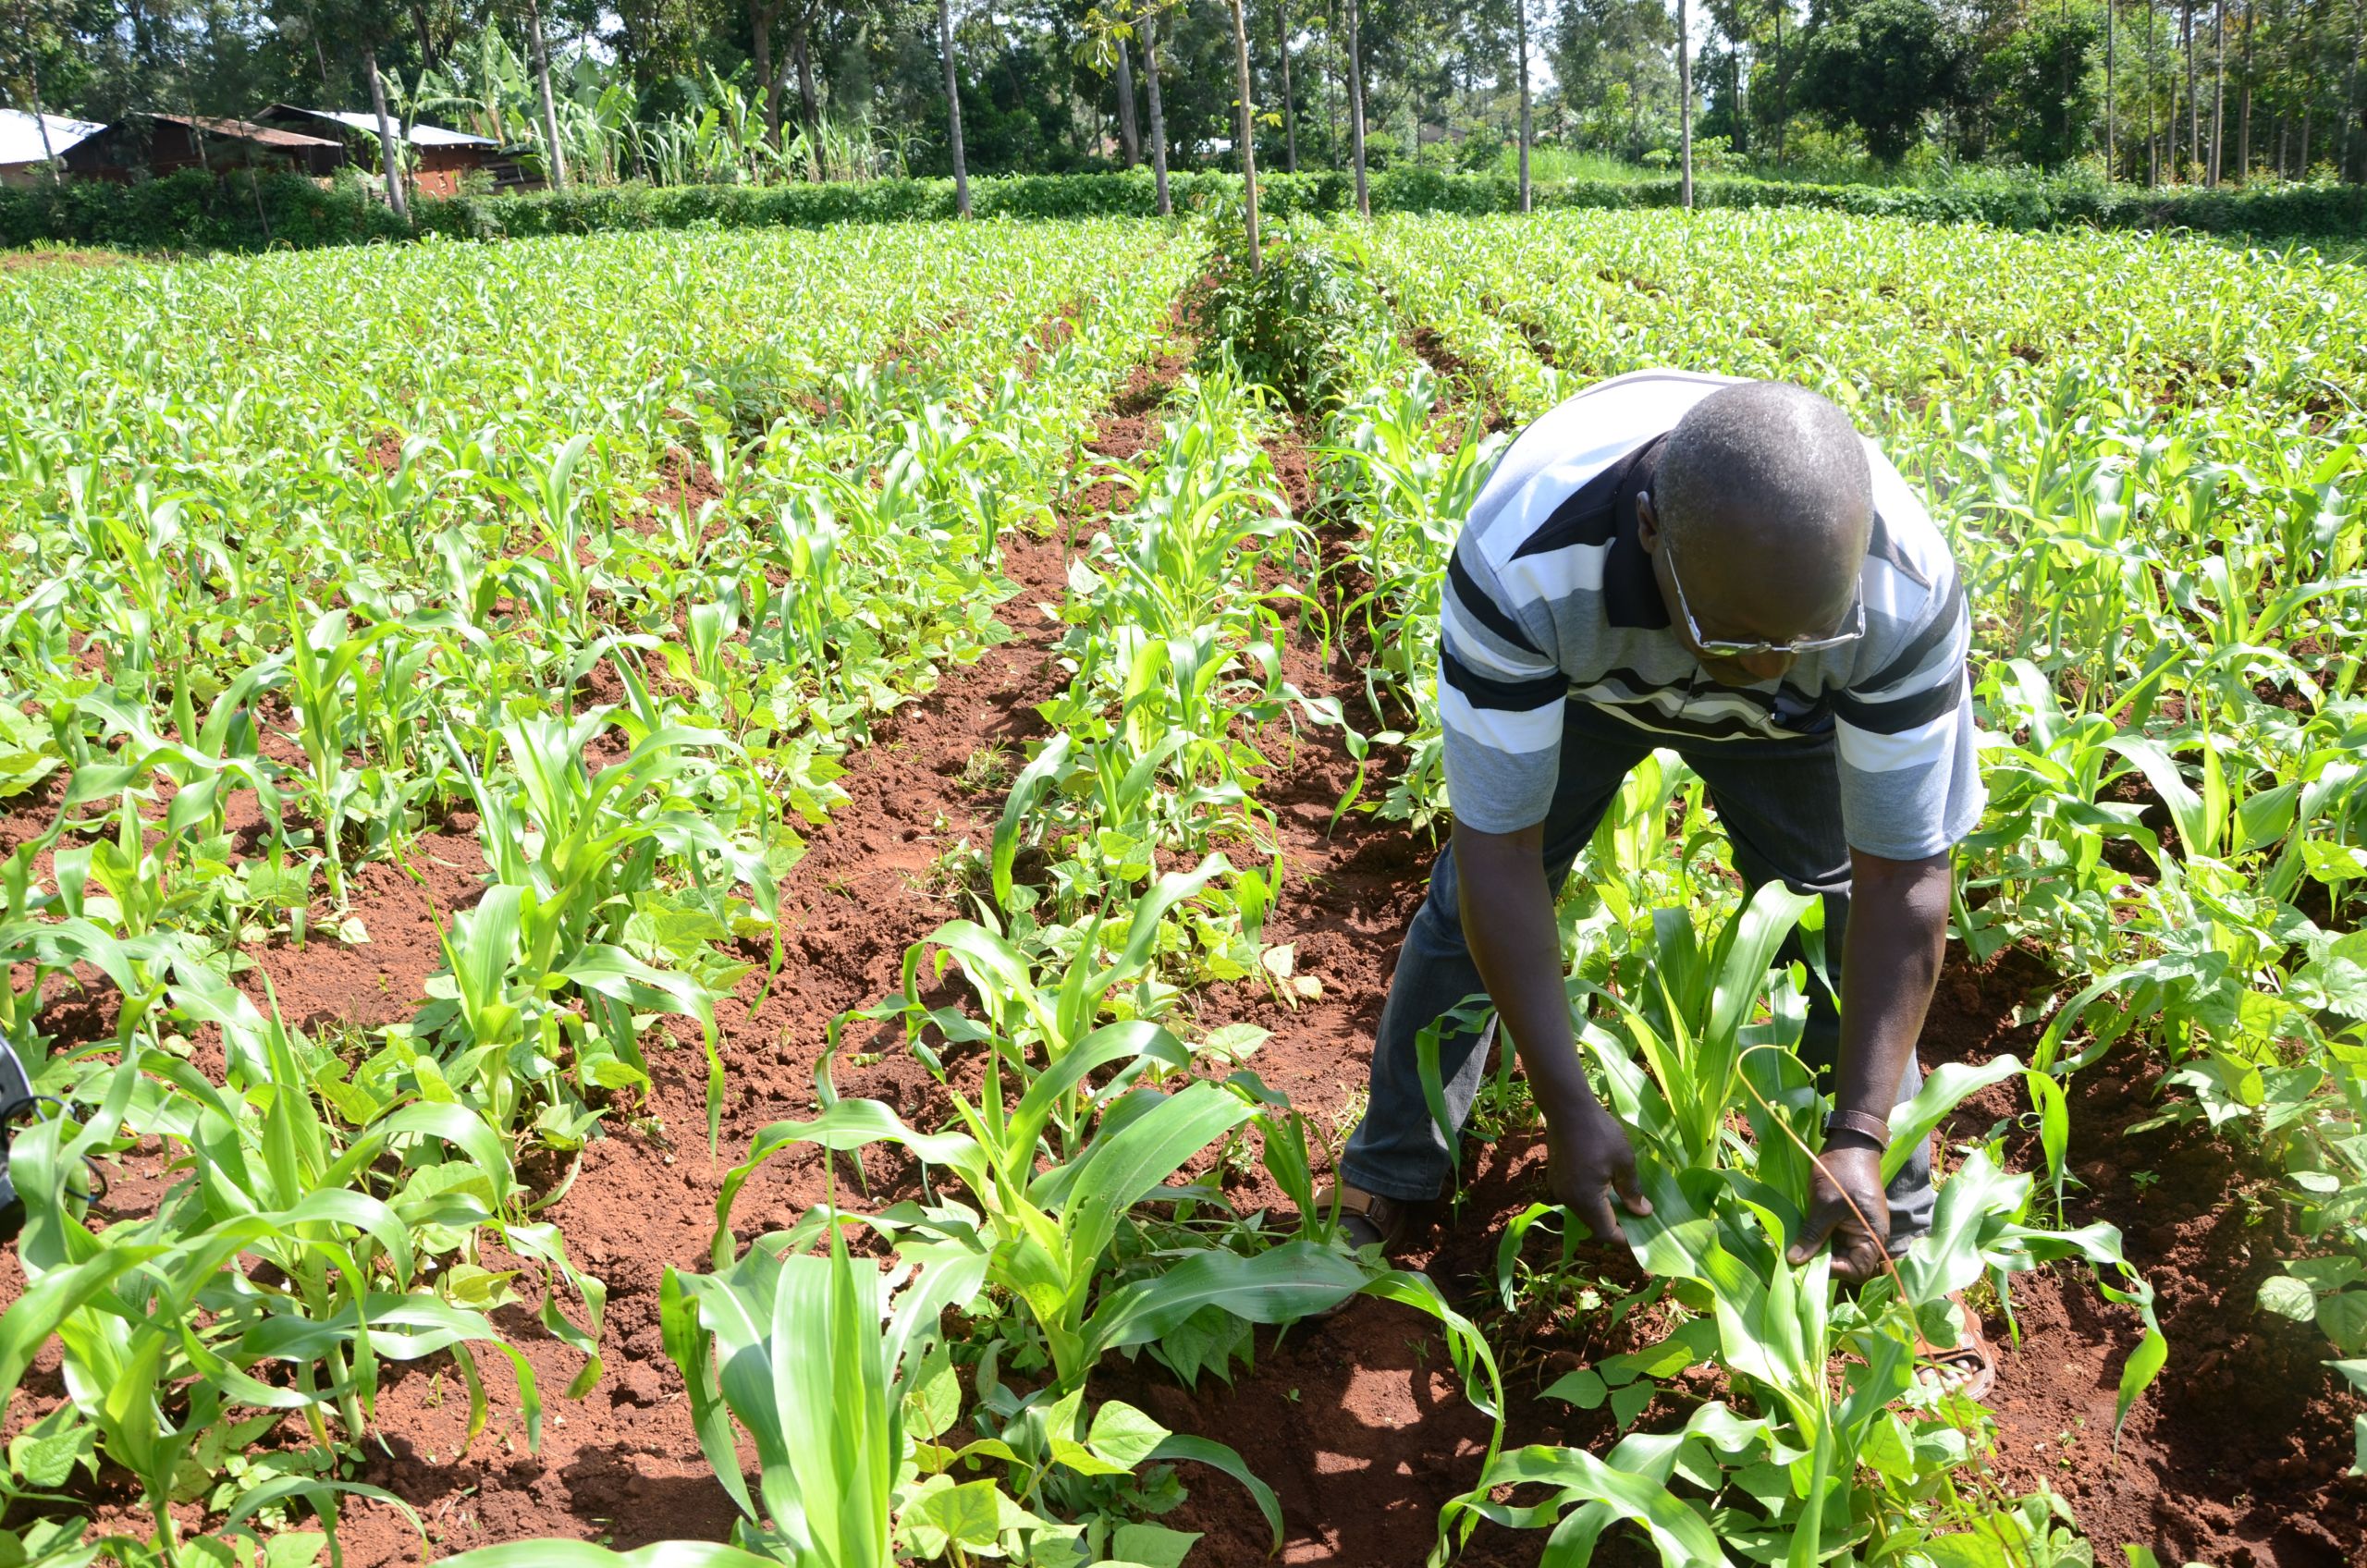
1778, 803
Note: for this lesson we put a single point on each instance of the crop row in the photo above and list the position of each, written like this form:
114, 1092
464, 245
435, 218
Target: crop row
2157, 517
623, 584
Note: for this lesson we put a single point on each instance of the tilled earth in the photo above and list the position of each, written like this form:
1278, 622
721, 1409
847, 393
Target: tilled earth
2236, 1457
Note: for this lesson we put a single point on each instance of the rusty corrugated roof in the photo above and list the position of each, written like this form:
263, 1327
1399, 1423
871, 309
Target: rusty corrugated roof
247, 131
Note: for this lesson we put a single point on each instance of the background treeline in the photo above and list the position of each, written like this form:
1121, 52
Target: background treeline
756, 91
193, 211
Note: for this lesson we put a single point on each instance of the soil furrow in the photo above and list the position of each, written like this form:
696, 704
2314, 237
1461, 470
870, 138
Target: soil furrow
625, 1463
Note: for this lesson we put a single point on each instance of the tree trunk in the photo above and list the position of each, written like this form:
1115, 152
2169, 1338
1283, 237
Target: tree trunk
1129, 133
2111, 160
952, 109
40, 119
760, 50
809, 101
1783, 85
1289, 99
1244, 126
1685, 100
2153, 95
1357, 110
2357, 119
555, 159
1329, 75
428, 55
2218, 86
1521, 10
389, 146
1157, 113
2193, 99
2308, 88
2244, 105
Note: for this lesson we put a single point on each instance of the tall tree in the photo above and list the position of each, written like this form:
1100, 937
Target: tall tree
2356, 120
803, 18
762, 14
2219, 84
1158, 109
1685, 100
1520, 13
2112, 150
1357, 110
1129, 134
1290, 108
2244, 105
1881, 66
553, 154
1244, 123
953, 109
1326, 76
390, 158
2193, 99
2153, 91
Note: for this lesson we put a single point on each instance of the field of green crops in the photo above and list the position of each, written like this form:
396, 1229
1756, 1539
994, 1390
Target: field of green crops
574, 602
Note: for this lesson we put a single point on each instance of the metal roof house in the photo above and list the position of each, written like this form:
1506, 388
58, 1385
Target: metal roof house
23, 148
145, 144
439, 157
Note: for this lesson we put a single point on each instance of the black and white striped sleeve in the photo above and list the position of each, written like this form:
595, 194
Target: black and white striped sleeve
1501, 695
1910, 778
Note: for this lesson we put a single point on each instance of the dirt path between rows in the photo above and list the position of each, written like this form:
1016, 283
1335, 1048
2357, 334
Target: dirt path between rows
624, 1463
1358, 1422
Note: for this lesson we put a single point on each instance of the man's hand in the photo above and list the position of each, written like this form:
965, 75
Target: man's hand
1507, 911
1588, 1157
1849, 1174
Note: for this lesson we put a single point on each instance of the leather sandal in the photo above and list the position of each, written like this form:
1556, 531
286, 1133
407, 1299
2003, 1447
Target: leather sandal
1367, 1218
1970, 1368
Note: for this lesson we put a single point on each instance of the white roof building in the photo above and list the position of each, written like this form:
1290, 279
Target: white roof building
419, 135
20, 139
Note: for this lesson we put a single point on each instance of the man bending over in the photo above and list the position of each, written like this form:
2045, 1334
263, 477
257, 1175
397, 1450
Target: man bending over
1726, 569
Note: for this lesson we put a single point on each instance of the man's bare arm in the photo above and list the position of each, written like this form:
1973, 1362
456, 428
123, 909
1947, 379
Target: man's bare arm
1508, 922
1898, 932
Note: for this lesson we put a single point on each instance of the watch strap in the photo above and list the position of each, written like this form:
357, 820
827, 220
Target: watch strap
1863, 1122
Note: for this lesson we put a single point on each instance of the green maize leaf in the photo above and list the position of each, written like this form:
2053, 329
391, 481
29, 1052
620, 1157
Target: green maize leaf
1949, 1085
1218, 1456
685, 1333
465, 1130
1134, 1040
847, 1124
2198, 829
1142, 931
830, 1387
1033, 779
1749, 946
613, 972
1683, 1537
1126, 1163
1465, 1345
1279, 1286
33, 1317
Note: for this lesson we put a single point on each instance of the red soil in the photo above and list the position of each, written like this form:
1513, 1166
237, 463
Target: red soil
2238, 1454
1358, 1423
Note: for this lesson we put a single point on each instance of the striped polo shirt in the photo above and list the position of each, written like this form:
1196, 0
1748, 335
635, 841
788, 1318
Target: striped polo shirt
1551, 598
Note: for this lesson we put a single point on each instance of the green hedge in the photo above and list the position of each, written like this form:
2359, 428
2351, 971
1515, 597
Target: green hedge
192, 211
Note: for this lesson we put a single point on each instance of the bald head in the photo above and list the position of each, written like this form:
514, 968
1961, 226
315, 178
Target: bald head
1764, 492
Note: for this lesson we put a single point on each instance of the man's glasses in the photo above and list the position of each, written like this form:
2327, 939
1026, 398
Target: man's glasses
1726, 648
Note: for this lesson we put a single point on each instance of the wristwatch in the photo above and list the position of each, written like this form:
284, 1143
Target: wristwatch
1863, 1122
